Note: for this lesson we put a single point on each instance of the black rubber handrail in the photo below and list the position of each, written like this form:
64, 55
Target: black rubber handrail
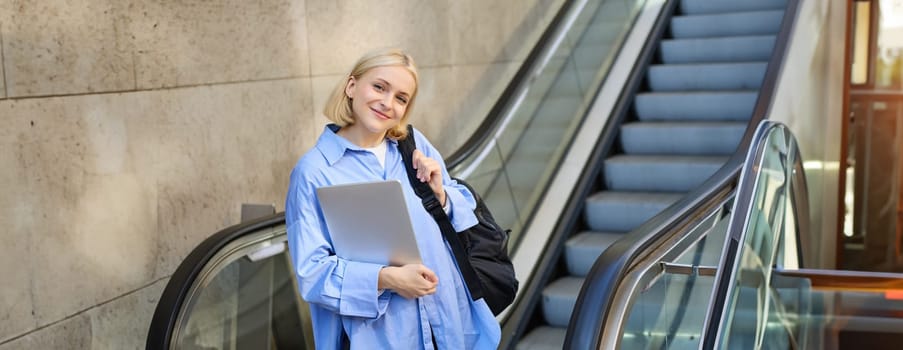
166, 314
596, 297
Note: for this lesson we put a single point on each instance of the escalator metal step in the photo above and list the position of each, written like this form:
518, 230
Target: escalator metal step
721, 49
558, 299
686, 138
706, 76
696, 106
722, 6
659, 173
612, 211
543, 338
582, 250
727, 24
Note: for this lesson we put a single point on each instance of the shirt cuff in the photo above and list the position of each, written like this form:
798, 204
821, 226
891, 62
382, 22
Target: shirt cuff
360, 296
461, 215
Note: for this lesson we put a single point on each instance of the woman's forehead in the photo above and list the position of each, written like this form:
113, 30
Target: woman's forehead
397, 76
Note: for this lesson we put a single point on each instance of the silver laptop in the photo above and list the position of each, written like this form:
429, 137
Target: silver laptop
369, 222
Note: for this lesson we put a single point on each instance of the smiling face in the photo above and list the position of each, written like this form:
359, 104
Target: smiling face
379, 100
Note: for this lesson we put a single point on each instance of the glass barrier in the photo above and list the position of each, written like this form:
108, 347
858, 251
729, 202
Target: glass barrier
831, 309
513, 168
751, 298
667, 295
246, 298
772, 303
669, 311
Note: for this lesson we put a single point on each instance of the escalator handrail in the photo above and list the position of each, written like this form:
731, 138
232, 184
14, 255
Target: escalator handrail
176, 291
595, 301
746, 193
587, 323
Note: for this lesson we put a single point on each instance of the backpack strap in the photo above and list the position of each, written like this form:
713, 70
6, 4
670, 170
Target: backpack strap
407, 146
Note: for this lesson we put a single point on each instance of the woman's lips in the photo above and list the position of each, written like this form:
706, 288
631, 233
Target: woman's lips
380, 114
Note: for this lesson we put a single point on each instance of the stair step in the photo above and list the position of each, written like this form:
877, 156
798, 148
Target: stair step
696, 106
713, 76
559, 298
693, 7
659, 173
543, 338
722, 49
727, 24
700, 138
613, 211
582, 250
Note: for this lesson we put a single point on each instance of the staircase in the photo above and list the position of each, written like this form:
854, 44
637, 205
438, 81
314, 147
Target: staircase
689, 117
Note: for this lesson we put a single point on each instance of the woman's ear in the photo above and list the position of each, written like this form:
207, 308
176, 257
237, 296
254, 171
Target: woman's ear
349, 87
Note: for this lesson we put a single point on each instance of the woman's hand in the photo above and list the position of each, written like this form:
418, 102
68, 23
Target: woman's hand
428, 170
410, 281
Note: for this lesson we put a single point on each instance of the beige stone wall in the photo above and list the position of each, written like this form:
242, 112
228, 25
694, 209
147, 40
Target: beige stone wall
809, 99
132, 130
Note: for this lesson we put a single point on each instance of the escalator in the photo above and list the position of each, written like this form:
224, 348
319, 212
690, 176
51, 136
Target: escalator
696, 95
236, 290
731, 275
689, 93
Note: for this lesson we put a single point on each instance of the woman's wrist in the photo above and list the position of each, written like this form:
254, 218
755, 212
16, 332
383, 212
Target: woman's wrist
384, 281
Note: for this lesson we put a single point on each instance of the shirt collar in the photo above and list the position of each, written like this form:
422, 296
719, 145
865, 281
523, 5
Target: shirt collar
333, 146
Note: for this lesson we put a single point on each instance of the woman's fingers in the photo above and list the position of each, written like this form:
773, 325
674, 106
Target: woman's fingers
428, 170
429, 275
418, 281
426, 166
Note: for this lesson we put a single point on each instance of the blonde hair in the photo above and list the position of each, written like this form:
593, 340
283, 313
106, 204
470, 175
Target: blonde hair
338, 107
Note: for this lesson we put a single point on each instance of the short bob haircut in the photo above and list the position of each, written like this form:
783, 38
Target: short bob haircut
338, 107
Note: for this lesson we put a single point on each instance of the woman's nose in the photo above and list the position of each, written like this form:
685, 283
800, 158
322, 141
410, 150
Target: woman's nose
386, 101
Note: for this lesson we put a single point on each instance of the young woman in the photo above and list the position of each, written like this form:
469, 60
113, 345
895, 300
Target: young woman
372, 306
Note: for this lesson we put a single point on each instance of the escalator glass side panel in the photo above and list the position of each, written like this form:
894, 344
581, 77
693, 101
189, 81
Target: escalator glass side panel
855, 319
707, 251
246, 298
668, 315
772, 303
843, 309
514, 167
753, 312
667, 293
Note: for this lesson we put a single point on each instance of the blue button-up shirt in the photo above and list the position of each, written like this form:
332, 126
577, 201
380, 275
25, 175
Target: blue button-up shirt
343, 294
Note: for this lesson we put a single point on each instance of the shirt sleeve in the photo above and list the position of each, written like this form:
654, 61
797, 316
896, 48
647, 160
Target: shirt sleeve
342, 286
460, 201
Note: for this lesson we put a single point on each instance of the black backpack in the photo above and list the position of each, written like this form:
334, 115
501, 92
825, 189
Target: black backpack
481, 250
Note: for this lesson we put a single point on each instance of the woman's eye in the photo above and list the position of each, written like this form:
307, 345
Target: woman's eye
377, 87
402, 100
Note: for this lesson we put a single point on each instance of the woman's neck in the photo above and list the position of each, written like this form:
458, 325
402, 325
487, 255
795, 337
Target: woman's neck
360, 136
